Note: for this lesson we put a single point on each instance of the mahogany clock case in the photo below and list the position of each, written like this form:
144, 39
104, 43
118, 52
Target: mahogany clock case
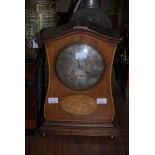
56, 118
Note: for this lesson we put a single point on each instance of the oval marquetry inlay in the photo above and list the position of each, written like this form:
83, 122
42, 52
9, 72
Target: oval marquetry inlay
79, 104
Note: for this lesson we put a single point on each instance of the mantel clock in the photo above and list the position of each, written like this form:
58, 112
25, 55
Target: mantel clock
79, 97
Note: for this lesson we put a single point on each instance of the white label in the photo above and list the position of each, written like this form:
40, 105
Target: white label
52, 100
101, 100
81, 55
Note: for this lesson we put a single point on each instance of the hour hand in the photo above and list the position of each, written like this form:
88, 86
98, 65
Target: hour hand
79, 65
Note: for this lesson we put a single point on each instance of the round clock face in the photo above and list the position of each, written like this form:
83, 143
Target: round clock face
79, 66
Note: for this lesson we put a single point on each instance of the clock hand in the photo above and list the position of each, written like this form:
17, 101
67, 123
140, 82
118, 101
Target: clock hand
79, 65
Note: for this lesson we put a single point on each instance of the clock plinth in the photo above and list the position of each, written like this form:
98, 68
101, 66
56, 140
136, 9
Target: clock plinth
79, 98
72, 128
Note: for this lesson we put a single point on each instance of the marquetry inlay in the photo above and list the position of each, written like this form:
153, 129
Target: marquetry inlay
79, 104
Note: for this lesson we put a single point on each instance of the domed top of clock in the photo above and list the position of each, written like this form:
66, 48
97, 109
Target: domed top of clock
51, 33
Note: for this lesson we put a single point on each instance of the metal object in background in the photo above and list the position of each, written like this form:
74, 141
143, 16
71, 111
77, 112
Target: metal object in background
90, 4
90, 11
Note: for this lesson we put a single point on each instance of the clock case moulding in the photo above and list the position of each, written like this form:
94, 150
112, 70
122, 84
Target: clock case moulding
57, 121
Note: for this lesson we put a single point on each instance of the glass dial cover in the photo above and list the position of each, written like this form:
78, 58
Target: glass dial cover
79, 66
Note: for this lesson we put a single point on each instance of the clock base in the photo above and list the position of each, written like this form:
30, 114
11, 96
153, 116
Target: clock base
106, 129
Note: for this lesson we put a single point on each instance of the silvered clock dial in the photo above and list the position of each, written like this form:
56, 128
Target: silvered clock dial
79, 66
